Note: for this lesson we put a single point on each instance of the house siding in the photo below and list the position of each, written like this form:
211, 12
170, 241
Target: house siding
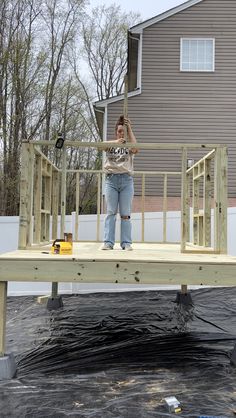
186, 107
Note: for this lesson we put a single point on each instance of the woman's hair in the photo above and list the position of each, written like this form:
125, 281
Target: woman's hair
120, 121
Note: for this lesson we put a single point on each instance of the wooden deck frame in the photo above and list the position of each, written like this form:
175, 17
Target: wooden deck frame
213, 190
149, 263
46, 172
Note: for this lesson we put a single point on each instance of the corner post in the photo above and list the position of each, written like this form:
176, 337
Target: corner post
63, 192
26, 195
220, 200
55, 202
184, 199
207, 204
77, 206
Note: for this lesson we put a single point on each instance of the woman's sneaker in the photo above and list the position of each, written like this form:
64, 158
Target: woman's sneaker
107, 246
127, 247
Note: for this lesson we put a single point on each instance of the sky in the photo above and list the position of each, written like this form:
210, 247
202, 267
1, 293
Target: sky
146, 8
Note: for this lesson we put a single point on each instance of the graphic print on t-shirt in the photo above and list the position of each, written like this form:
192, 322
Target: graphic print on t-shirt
118, 155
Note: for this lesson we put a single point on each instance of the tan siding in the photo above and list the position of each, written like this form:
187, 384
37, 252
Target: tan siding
177, 106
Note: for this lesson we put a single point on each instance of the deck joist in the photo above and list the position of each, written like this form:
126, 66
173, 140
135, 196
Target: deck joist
147, 264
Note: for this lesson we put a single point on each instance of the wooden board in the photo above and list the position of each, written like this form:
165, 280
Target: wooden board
146, 264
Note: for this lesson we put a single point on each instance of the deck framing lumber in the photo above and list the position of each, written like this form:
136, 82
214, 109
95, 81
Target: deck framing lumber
3, 308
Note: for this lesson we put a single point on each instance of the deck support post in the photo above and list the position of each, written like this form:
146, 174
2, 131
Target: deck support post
55, 301
7, 361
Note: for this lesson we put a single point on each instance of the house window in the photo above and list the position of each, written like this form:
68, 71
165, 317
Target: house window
197, 54
134, 76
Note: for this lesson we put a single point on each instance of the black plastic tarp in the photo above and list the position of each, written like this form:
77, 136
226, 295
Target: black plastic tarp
120, 354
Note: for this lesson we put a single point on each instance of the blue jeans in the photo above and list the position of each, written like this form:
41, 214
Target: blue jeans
119, 191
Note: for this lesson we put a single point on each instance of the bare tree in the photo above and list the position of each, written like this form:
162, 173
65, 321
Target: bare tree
61, 22
41, 87
33, 39
105, 47
16, 35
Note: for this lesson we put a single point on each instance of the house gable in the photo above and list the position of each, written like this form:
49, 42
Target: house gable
149, 22
179, 106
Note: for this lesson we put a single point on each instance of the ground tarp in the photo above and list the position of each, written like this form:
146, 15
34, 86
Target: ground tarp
119, 355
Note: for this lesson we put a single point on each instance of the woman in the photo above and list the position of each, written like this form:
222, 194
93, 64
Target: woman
119, 187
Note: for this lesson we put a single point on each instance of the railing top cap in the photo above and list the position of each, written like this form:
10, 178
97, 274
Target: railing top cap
140, 145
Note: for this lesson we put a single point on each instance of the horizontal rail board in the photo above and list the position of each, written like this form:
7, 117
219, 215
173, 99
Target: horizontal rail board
148, 145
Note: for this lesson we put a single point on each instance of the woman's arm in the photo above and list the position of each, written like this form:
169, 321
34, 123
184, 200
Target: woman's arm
116, 141
131, 136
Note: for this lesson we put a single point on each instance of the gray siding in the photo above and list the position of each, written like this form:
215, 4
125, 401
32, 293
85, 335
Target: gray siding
177, 106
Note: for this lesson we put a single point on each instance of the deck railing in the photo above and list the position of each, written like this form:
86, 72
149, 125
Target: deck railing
41, 197
143, 174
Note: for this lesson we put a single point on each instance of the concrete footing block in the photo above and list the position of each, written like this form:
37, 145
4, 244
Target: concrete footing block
184, 299
54, 303
233, 357
7, 367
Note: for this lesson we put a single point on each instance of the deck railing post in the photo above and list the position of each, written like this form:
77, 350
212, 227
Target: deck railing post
98, 205
63, 192
196, 205
37, 199
164, 207
55, 202
143, 209
207, 204
26, 195
187, 198
220, 200
183, 200
77, 194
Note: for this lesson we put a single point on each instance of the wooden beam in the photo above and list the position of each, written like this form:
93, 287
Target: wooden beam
77, 199
48, 201
183, 200
29, 237
63, 192
54, 293
208, 156
184, 289
112, 271
195, 211
164, 227
39, 152
98, 206
25, 195
223, 199
140, 145
125, 106
143, 209
136, 173
220, 200
37, 199
55, 203
3, 310
187, 206
207, 204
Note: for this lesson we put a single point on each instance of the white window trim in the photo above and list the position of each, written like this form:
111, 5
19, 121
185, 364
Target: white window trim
139, 69
197, 39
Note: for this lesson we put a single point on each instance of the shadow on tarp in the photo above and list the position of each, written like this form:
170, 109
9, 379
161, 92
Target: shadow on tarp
120, 354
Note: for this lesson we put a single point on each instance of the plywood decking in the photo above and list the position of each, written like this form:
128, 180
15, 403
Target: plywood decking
148, 263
